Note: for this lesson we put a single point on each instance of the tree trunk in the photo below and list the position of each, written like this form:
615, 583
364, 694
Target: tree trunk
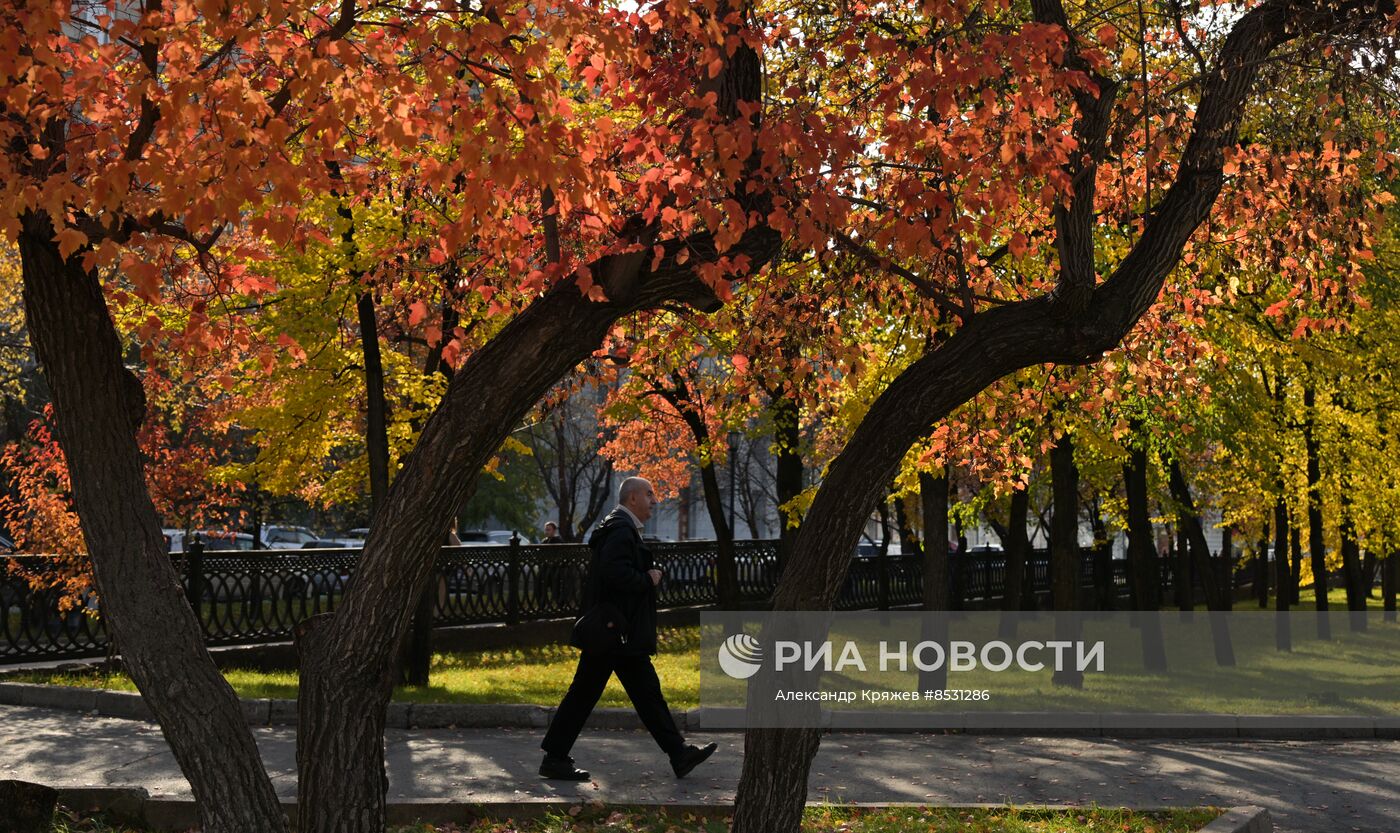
1295, 545
1225, 565
1104, 590
1261, 567
1351, 557
1144, 576
1317, 551
1283, 598
773, 797
1217, 597
933, 492
1351, 565
1369, 567
98, 406
1064, 526
1064, 550
348, 656
1390, 584
377, 411
1017, 547
725, 565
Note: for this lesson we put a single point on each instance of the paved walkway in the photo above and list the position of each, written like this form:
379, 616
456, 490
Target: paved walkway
1310, 787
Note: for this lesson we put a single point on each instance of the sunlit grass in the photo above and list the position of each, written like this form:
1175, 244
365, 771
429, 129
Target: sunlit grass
1351, 674
537, 674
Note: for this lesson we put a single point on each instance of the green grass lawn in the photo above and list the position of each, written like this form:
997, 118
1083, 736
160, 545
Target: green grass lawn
1318, 677
1353, 674
1336, 600
537, 674
829, 818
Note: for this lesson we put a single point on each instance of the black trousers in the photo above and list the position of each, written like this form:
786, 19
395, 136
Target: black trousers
638, 678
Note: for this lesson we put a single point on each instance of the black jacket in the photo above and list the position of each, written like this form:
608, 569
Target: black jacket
619, 576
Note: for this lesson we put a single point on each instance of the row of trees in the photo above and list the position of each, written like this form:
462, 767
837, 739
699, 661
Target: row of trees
373, 238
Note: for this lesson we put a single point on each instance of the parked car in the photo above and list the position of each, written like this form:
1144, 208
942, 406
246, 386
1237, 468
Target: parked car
287, 537
214, 540
334, 544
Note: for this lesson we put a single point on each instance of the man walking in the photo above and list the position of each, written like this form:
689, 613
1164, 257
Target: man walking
624, 575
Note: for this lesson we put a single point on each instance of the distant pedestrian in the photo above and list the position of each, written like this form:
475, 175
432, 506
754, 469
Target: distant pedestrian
621, 592
551, 534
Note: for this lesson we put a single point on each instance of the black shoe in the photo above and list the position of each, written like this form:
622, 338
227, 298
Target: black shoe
690, 757
561, 769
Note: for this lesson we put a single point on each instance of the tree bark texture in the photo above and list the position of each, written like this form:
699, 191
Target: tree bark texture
376, 409
98, 406
1064, 526
933, 494
933, 491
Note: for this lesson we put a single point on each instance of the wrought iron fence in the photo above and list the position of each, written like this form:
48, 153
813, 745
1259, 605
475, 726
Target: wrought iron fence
254, 597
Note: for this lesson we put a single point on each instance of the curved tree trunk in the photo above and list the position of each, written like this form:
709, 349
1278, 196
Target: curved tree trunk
98, 407
1074, 325
1316, 549
1018, 548
347, 657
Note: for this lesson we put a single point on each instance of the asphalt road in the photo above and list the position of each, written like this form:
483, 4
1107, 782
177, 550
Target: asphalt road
1309, 786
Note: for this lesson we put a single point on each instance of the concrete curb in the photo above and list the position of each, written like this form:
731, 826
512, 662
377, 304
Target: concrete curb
1241, 820
134, 806
267, 712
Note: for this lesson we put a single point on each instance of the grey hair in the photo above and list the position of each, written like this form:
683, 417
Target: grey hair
630, 485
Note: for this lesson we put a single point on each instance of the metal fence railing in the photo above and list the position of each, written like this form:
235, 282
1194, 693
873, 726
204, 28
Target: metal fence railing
260, 596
